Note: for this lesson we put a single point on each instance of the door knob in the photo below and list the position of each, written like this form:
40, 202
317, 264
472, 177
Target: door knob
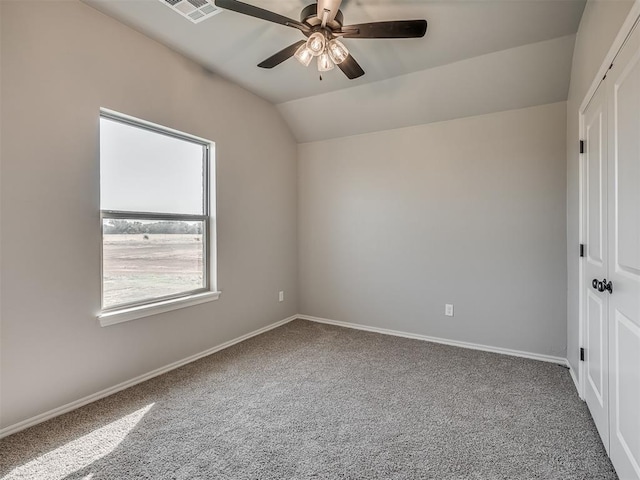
603, 285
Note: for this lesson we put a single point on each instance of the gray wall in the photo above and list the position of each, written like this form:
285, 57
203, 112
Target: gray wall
61, 62
393, 225
600, 24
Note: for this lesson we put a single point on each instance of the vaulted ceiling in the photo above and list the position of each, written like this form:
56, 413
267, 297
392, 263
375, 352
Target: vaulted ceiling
478, 56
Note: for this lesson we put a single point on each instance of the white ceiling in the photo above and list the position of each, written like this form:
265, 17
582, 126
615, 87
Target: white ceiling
402, 77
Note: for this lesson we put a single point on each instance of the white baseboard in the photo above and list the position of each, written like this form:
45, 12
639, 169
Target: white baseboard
454, 343
134, 381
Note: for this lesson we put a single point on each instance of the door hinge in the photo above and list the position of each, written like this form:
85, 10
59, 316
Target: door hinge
581, 146
581, 354
582, 249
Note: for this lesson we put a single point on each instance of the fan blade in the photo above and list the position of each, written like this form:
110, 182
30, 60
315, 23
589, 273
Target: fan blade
392, 29
351, 68
261, 13
281, 56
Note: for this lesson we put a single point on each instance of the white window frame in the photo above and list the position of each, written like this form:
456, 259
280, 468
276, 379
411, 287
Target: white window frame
143, 308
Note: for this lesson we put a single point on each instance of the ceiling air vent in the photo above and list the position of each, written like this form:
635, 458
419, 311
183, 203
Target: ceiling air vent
194, 10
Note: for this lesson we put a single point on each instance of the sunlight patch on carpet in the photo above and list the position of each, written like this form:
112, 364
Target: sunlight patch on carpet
80, 453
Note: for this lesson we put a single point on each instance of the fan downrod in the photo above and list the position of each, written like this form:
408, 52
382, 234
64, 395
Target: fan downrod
309, 15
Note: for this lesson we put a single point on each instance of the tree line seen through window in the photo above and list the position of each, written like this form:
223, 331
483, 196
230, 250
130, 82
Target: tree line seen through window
132, 227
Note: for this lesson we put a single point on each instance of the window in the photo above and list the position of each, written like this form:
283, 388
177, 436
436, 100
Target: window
157, 224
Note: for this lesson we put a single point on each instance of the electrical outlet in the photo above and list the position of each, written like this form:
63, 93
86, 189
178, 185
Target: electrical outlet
281, 296
448, 310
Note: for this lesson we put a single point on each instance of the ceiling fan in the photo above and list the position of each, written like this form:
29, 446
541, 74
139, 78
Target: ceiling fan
322, 24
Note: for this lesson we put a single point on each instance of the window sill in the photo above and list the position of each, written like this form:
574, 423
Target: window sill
126, 314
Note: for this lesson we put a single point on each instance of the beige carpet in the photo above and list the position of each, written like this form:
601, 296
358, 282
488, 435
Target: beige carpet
315, 401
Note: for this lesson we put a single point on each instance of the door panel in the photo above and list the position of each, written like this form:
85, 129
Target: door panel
596, 364
626, 418
596, 329
627, 174
595, 129
623, 91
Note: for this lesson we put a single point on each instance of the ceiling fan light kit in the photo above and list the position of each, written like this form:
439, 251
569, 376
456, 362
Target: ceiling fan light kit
329, 53
322, 24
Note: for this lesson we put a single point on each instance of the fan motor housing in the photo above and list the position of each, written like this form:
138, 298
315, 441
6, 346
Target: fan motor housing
309, 15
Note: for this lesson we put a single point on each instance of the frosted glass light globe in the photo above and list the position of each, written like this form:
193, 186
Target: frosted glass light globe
337, 51
316, 43
303, 55
324, 63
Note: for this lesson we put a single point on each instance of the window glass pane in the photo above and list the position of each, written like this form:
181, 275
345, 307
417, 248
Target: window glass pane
146, 171
145, 259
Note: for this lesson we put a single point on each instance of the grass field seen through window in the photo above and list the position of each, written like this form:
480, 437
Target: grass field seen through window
139, 267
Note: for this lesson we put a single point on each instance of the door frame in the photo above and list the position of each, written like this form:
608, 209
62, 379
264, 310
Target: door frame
633, 18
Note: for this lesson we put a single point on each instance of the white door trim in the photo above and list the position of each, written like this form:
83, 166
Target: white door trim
624, 32
633, 17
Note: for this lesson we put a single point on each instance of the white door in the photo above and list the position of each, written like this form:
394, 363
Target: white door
623, 91
596, 367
